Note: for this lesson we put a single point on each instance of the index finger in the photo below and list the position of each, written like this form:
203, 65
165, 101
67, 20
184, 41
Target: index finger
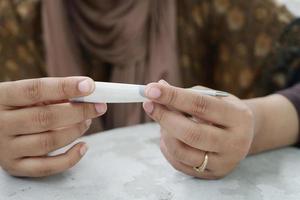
205, 107
33, 91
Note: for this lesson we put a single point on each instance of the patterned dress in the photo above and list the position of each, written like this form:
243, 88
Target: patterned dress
21, 47
248, 48
234, 45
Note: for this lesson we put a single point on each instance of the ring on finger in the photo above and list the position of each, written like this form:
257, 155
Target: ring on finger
202, 167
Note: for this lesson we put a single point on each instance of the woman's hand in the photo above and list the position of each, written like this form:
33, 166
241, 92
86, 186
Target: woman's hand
193, 125
37, 118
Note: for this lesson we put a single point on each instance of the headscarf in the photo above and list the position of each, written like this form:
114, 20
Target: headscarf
137, 37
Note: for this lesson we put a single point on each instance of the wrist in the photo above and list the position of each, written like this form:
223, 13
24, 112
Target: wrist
276, 123
255, 107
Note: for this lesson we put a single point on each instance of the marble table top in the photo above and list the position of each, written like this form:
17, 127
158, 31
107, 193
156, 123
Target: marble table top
127, 164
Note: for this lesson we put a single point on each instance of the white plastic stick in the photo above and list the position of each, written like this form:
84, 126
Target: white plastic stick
128, 93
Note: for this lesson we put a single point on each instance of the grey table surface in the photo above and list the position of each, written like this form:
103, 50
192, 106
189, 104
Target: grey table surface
127, 164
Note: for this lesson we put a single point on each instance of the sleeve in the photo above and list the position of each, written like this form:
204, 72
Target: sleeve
293, 94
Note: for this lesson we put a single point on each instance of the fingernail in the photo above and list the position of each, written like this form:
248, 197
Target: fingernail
85, 86
163, 82
101, 108
148, 107
88, 122
153, 92
83, 149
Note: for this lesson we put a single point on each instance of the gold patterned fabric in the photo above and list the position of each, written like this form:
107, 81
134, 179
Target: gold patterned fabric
20, 40
231, 45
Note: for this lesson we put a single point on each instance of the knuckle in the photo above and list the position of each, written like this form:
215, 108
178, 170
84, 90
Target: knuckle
161, 114
192, 136
12, 167
242, 147
33, 91
81, 128
176, 167
85, 111
9, 168
247, 113
172, 97
164, 149
244, 143
216, 176
163, 133
47, 142
44, 171
177, 153
161, 130
9, 171
220, 174
44, 118
71, 161
199, 105
179, 168
3, 122
162, 145
63, 88
215, 140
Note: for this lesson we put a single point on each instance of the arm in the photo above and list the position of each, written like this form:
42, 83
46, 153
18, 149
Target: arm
276, 123
229, 130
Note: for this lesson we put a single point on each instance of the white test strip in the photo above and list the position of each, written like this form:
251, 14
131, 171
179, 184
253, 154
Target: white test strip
128, 93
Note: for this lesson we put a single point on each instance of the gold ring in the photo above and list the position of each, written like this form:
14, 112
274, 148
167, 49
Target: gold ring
202, 167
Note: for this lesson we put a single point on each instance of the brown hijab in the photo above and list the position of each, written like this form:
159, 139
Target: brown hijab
136, 37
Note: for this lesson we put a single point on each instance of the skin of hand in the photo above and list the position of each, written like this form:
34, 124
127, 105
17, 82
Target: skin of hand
276, 123
224, 129
36, 118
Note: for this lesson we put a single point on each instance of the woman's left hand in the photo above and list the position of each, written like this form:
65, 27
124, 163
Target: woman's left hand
193, 125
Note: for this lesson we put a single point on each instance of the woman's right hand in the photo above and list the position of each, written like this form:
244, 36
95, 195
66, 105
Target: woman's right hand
36, 118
